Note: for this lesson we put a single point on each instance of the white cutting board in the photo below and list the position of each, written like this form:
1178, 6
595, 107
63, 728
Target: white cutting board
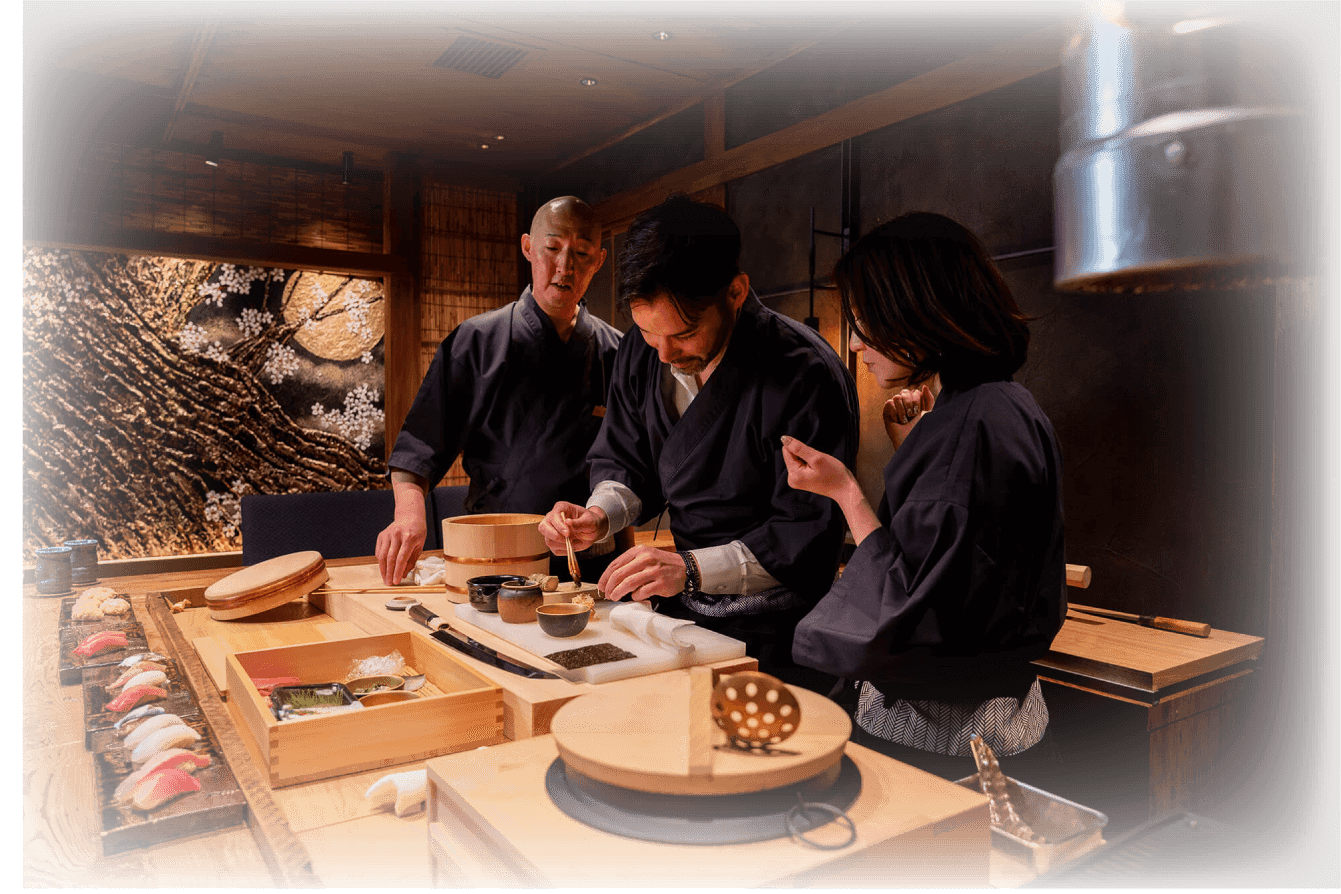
709, 646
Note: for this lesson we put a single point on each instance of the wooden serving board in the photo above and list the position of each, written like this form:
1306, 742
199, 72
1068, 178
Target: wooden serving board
1143, 657
640, 737
709, 645
219, 803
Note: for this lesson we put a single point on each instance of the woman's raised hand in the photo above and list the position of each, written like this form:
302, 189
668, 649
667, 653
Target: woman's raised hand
903, 410
812, 470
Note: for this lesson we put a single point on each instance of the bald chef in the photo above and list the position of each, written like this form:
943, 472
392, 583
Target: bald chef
518, 391
705, 387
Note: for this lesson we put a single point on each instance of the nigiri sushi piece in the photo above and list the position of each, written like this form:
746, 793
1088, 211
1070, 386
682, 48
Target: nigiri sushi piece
130, 672
172, 759
146, 678
98, 642
157, 789
134, 695
152, 725
175, 735
138, 714
142, 656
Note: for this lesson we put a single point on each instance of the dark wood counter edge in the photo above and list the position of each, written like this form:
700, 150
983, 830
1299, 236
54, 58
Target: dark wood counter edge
287, 858
109, 568
1135, 695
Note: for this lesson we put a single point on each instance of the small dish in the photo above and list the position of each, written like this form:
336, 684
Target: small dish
563, 618
484, 590
368, 685
387, 697
295, 701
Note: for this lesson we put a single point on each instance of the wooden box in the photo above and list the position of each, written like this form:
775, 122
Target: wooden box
458, 710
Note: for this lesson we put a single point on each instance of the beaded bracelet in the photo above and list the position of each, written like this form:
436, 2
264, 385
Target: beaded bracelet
692, 578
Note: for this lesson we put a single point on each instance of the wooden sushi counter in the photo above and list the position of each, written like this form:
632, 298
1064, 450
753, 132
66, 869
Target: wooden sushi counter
484, 806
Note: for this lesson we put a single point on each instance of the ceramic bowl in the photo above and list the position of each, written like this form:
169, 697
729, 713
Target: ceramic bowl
518, 600
390, 697
563, 618
368, 685
484, 590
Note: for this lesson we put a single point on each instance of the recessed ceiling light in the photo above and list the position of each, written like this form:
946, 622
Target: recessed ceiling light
662, 35
499, 137
588, 82
484, 145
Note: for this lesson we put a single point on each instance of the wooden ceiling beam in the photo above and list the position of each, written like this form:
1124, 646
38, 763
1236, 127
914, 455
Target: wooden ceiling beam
232, 251
200, 45
955, 82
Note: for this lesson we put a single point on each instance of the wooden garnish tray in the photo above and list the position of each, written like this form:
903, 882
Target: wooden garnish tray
458, 709
219, 803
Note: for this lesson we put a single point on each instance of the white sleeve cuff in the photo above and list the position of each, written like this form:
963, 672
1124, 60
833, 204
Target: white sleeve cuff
620, 505
731, 569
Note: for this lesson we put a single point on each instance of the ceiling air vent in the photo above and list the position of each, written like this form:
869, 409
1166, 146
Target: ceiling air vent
480, 57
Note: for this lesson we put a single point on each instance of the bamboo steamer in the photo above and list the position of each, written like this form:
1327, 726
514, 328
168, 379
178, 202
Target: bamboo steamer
266, 585
492, 543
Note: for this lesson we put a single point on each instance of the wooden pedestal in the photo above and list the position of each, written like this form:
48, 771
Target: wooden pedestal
491, 823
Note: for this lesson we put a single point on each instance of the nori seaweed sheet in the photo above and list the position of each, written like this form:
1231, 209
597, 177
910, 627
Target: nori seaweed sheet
600, 653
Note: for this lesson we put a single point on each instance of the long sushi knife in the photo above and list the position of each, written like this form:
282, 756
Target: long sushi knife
1188, 628
442, 631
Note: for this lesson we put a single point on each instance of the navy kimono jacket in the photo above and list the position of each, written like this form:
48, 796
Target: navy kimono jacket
517, 402
720, 468
966, 583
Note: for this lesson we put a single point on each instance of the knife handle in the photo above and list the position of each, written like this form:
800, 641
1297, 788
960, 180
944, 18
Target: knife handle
422, 615
1189, 628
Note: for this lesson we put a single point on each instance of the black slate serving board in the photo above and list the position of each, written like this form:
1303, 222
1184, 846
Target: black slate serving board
96, 719
72, 666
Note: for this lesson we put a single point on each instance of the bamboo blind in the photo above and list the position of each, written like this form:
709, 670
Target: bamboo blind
469, 263
165, 191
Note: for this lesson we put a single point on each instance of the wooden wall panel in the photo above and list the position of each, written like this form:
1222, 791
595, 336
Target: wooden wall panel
166, 191
469, 259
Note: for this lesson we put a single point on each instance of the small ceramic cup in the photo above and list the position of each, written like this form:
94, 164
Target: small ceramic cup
563, 618
83, 561
484, 590
53, 570
518, 600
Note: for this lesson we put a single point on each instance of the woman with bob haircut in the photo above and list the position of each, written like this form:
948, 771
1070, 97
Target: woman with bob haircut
958, 582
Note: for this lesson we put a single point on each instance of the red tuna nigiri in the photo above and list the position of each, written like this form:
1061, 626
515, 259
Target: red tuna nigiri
172, 759
158, 788
96, 642
134, 695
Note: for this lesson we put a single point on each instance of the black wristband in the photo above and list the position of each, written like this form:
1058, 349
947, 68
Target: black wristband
692, 579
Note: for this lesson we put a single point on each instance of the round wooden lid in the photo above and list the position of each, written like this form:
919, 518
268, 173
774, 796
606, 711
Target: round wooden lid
261, 587
640, 736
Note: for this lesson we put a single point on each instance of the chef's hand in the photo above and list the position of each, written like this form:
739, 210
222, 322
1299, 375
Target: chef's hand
642, 572
903, 410
401, 542
584, 526
812, 470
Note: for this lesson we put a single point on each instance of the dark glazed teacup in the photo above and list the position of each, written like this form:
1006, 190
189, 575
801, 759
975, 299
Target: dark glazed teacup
484, 590
53, 570
83, 561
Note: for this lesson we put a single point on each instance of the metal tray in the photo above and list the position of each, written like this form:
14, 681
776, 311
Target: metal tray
1066, 827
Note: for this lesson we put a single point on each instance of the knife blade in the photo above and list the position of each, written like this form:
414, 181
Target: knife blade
442, 631
1187, 628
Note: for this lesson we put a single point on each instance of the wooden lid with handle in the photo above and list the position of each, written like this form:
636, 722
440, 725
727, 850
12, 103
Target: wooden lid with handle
265, 585
651, 737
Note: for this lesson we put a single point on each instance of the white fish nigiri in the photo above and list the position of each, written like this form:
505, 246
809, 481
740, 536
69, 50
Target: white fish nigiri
178, 758
146, 678
138, 714
150, 726
142, 656
130, 673
174, 735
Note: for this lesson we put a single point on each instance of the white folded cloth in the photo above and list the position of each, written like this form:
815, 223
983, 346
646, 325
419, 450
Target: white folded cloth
657, 630
430, 570
409, 790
